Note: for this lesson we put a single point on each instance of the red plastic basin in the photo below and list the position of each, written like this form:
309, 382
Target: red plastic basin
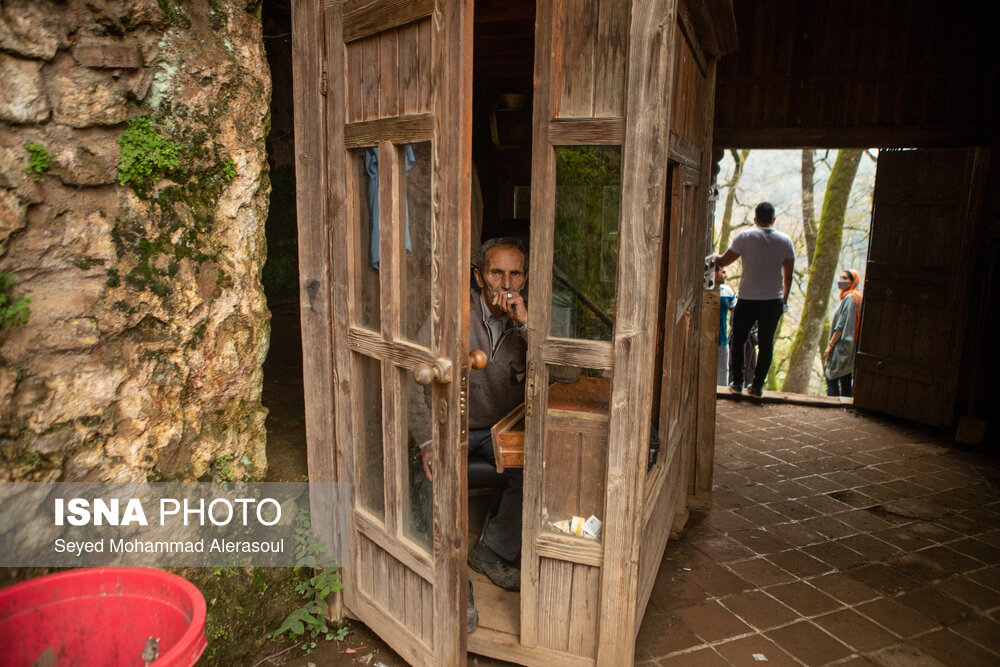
102, 616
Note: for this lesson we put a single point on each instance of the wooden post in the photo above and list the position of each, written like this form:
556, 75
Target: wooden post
704, 454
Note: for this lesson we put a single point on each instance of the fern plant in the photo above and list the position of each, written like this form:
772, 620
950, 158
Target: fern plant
309, 620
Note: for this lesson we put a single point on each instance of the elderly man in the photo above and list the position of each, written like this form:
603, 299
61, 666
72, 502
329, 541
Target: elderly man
497, 319
768, 260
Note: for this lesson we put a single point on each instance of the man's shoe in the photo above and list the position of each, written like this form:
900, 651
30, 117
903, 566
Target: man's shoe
755, 392
736, 387
500, 572
471, 614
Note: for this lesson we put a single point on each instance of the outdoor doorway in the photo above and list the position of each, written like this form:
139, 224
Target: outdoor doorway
905, 221
823, 201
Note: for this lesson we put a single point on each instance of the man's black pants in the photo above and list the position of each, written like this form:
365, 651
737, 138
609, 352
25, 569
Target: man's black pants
766, 314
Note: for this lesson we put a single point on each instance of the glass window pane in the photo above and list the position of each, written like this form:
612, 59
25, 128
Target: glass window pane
585, 258
370, 457
366, 281
417, 499
416, 274
575, 449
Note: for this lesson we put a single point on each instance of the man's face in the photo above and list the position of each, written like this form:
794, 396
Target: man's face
720, 276
503, 272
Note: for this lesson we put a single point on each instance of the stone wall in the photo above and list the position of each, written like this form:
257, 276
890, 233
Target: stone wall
141, 358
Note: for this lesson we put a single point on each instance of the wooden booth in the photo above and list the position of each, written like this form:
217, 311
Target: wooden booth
421, 127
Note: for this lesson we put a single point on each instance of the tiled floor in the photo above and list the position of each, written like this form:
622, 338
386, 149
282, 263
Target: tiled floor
834, 538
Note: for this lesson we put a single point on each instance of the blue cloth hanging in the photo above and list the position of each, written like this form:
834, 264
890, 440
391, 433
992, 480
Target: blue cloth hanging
371, 169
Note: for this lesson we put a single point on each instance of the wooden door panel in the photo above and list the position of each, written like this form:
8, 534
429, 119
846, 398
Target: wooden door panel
399, 75
915, 301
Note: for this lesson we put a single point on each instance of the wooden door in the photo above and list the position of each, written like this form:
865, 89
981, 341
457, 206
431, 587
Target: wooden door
399, 136
916, 290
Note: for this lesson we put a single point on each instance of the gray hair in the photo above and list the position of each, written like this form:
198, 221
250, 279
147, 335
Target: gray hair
500, 242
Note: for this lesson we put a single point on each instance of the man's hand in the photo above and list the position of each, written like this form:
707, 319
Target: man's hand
512, 303
426, 454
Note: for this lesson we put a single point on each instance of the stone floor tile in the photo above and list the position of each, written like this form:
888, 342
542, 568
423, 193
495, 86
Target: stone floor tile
883, 578
719, 581
705, 657
917, 567
870, 547
836, 555
964, 589
962, 525
795, 510
854, 630
989, 577
754, 651
934, 532
846, 480
903, 538
903, 655
791, 489
799, 563
728, 522
726, 499
808, 643
760, 609
681, 592
712, 622
761, 515
723, 549
760, 572
803, 598
824, 504
950, 560
796, 533
760, 541
953, 649
863, 520
881, 492
981, 630
819, 484
845, 589
936, 605
901, 620
762, 493
664, 634
830, 527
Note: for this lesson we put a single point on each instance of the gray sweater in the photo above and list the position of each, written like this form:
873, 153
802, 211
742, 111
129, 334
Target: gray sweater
498, 388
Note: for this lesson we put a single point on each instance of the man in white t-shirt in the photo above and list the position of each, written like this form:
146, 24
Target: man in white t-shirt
768, 260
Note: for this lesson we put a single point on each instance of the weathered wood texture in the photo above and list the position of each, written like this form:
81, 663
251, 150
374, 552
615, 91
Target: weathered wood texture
315, 287
704, 452
652, 35
916, 283
405, 76
860, 73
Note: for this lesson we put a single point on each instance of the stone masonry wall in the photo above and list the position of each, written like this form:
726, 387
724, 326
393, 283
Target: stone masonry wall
142, 355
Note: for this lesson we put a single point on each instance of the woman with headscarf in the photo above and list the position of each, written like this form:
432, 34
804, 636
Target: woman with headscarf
844, 330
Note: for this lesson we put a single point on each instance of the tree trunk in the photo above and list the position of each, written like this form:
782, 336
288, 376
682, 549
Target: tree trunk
740, 158
822, 269
808, 210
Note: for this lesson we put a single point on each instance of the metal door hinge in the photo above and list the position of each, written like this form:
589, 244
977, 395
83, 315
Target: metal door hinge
323, 82
463, 400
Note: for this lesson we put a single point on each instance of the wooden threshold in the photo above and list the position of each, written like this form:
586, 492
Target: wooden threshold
790, 399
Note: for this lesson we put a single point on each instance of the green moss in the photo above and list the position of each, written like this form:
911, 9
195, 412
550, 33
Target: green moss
39, 160
114, 280
222, 468
174, 14
145, 155
14, 310
228, 169
86, 262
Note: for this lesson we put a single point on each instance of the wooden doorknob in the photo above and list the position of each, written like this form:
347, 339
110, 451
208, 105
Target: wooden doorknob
477, 360
439, 371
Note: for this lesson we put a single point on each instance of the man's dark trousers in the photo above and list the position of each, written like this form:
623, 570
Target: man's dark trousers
503, 534
766, 314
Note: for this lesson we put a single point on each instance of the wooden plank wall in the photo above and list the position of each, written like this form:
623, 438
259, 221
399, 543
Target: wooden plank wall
860, 73
687, 453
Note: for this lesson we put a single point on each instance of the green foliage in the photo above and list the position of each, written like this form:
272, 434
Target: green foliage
145, 154
14, 310
310, 618
228, 169
39, 160
222, 468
